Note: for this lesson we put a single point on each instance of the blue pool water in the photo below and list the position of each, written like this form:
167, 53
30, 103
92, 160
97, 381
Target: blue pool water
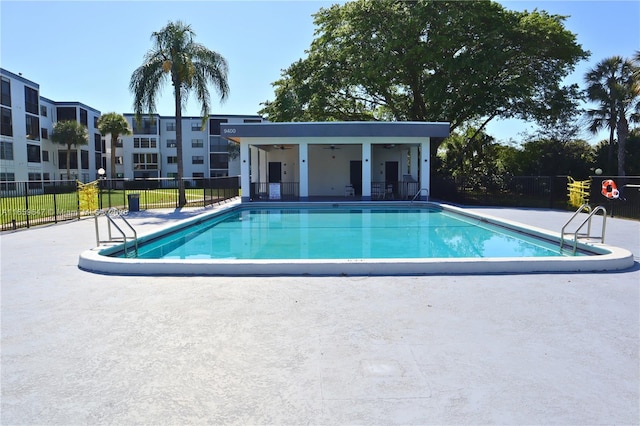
343, 233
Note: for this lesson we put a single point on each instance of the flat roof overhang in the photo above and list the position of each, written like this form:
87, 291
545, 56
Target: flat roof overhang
335, 129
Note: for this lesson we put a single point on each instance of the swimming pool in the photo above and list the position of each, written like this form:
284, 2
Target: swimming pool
343, 233
348, 238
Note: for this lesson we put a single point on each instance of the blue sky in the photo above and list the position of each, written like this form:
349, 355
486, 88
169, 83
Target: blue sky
86, 50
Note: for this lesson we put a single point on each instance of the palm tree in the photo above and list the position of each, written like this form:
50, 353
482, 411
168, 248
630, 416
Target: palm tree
190, 66
613, 85
69, 132
116, 125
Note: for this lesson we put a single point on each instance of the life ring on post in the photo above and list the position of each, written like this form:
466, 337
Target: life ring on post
609, 189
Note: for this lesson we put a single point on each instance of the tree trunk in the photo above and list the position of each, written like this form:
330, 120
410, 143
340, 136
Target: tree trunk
623, 132
68, 162
182, 199
114, 139
610, 153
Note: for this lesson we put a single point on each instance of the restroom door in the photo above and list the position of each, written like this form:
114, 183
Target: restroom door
275, 172
355, 176
391, 175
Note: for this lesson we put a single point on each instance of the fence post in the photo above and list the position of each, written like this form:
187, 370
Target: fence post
26, 202
78, 199
55, 205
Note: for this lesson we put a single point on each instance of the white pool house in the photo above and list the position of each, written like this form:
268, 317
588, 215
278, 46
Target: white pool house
331, 160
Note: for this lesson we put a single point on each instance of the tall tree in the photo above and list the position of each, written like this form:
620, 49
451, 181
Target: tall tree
614, 87
429, 60
190, 66
69, 133
114, 124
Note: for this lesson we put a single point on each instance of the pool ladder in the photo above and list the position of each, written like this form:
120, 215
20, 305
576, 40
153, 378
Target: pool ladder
420, 193
584, 235
110, 214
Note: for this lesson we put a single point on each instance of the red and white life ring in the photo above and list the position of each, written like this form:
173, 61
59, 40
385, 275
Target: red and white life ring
609, 189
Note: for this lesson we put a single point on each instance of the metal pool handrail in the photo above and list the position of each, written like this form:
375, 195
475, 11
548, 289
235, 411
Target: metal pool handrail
108, 213
587, 221
418, 193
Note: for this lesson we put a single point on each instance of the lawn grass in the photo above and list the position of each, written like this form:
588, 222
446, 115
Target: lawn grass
41, 208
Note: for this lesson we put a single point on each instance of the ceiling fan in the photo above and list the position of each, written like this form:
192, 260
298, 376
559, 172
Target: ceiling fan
282, 147
332, 147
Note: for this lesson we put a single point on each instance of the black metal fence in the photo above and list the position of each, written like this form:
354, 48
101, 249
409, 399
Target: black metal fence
536, 191
627, 204
27, 204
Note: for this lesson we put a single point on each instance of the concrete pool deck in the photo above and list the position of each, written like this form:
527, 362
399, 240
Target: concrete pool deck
83, 348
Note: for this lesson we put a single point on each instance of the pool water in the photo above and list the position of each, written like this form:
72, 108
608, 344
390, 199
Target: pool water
344, 233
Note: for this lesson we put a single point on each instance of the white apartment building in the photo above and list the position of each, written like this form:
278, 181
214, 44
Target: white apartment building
26, 150
150, 152
28, 154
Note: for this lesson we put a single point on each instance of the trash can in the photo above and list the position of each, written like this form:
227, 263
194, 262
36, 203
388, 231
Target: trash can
134, 202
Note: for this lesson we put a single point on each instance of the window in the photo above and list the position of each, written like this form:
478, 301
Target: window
35, 181
95, 122
218, 173
218, 144
196, 126
171, 143
171, 126
32, 127
31, 100
5, 178
97, 142
118, 143
147, 126
197, 159
218, 161
6, 92
144, 143
62, 160
44, 133
6, 150
66, 114
33, 153
43, 111
197, 143
252, 120
46, 176
84, 159
214, 126
197, 175
6, 125
172, 160
172, 175
45, 156
119, 159
145, 161
84, 120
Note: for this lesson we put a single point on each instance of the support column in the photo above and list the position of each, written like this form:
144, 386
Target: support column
303, 160
425, 169
366, 171
245, 172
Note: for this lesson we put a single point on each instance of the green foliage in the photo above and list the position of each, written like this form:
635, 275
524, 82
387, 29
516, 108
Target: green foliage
114, 124
69, 133
471, 154
190, 67
429, 61
547, 157
632, 155
614, 86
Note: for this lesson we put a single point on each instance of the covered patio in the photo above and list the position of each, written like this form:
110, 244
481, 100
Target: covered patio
331, 160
